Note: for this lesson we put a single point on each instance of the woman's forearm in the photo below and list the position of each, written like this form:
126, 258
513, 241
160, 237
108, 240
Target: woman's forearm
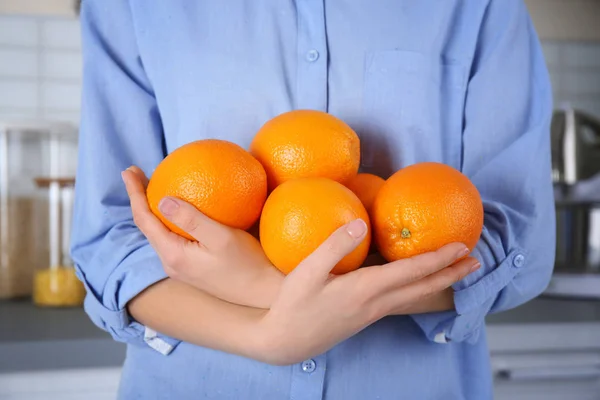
183, 312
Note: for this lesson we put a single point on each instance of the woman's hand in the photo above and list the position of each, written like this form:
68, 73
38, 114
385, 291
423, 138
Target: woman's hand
316, 310
440, 301
225, 262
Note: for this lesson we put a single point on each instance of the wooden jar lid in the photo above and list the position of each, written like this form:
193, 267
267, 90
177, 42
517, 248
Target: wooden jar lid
62, 182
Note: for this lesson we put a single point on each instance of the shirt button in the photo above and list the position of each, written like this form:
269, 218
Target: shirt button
309, 366
312, 55
519, 260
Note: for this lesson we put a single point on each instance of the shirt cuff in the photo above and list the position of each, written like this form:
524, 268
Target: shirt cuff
474, 296
140, 270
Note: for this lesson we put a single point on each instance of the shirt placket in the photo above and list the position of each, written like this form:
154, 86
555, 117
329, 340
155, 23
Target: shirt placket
311, 84
308, 377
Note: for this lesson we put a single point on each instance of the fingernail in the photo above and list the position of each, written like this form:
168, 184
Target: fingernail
475, 267
168, 206
123, 172
463, 252
357, 228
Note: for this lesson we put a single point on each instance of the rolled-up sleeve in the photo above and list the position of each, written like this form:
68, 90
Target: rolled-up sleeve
120, 126
506, 154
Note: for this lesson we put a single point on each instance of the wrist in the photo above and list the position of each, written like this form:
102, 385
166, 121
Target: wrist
441, 301
264, 342
262, 290
269, 286
272, 342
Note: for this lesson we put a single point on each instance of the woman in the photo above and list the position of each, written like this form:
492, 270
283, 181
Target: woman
463, 83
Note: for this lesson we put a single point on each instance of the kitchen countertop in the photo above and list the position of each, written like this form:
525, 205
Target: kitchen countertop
34, 338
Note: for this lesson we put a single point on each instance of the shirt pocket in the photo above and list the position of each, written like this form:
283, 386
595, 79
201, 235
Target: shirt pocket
413, 108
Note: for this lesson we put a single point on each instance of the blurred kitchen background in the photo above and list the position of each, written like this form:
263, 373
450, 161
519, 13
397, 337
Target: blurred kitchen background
546, 349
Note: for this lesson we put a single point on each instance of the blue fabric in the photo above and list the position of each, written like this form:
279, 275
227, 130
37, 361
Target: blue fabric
463, 83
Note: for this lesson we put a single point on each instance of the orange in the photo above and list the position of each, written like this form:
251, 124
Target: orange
366, 186
424, 207
300, 214
218, 177
306, 143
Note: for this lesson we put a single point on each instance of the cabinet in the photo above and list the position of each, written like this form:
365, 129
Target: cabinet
547, 375
546, 361
89, 384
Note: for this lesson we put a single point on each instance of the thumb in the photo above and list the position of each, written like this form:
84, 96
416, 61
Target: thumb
140, 175
337, 246
187, 217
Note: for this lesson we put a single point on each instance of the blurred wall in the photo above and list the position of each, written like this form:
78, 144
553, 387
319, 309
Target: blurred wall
575, 73
566, 19
45, 7
40, 67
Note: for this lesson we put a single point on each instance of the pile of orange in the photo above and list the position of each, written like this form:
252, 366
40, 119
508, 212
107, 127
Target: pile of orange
301, 178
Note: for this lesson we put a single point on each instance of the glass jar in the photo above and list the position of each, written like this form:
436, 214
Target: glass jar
28, 149
55, 283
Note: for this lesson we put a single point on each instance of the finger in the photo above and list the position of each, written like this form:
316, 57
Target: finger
140, 174
157, 234
187, 217
408, 270
431, 284
339, 244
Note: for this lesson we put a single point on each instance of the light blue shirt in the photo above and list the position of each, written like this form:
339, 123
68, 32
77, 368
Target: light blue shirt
459, 82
